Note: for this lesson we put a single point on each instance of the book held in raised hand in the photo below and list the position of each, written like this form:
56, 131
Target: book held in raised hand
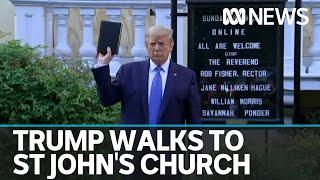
109, 36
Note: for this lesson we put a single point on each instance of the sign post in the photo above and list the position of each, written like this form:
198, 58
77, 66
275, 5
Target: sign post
239, 68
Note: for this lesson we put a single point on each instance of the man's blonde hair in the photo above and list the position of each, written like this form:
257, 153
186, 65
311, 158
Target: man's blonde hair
158, 30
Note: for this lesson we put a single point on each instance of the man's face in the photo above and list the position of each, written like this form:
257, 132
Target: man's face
159, 48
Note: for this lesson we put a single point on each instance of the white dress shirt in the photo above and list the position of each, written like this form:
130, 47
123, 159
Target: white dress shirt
163, 73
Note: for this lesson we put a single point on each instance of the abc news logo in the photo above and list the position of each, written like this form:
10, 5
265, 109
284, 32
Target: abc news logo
264, 16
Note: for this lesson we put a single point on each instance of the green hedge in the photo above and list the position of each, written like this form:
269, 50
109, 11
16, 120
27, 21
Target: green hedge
36, 89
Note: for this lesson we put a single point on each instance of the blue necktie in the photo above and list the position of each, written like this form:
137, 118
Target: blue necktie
155, 97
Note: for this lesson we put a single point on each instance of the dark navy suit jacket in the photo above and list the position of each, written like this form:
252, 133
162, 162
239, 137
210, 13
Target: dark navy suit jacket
181, 99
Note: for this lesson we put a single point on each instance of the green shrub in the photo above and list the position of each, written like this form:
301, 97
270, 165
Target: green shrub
36, 89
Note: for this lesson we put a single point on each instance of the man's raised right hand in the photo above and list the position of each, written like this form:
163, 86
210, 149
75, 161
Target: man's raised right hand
104, 59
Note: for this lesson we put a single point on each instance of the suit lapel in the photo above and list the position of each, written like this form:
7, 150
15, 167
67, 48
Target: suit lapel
144, 95
169, 88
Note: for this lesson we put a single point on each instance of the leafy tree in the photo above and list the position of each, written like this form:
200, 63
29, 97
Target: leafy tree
35, 89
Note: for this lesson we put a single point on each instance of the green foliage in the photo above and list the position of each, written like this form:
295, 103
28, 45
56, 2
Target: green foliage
36, 89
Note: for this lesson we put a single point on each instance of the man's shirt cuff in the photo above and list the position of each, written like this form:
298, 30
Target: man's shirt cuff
98, 65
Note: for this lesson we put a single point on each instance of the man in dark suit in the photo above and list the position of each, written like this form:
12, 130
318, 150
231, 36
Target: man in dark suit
155, 91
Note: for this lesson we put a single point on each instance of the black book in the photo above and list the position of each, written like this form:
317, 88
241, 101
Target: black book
109, 35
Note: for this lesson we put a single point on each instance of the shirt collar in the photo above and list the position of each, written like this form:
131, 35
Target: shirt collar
165, 66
